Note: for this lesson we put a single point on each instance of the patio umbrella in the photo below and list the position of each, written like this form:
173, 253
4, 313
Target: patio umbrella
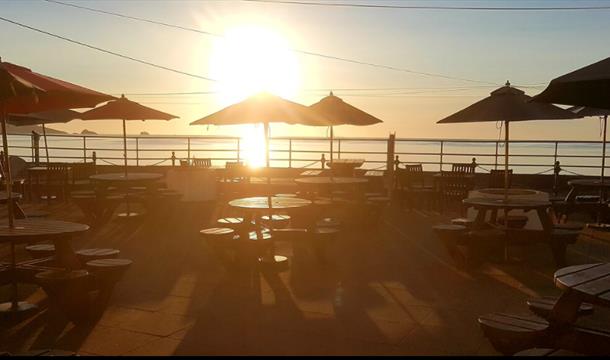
43, 118
589, 87
124, 109
507, 104
23, 91
264, 108
341, 113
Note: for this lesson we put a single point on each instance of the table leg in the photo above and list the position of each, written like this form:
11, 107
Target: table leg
65, 255
565, 311
14, 307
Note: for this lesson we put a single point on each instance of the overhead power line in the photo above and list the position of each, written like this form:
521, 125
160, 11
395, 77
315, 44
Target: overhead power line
304, 52
434, 7
162, 67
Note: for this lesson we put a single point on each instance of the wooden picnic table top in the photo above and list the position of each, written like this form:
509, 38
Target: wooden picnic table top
591, 281
41, 168
26, 230
328, 180
121, 177
311, 173
346, 162
262, 203
594, 183
511, 203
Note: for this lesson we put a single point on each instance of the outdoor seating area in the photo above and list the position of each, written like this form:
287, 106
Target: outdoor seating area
268, 241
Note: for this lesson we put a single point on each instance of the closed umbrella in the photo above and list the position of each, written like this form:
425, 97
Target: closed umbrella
43, 118
124, 109
586, 87
341, 113
507, 104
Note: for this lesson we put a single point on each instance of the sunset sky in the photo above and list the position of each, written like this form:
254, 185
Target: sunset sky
527, 48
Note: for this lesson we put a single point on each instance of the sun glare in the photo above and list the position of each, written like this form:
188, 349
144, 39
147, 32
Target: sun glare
246, 61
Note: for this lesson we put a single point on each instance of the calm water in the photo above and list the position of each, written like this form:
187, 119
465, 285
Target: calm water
525, 157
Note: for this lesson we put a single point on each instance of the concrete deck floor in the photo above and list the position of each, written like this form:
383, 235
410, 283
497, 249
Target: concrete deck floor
401, 294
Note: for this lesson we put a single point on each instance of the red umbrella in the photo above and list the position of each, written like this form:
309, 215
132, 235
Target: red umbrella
124, 109
23, 91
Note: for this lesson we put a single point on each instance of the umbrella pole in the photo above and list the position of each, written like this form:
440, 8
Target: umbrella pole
332, 136
46, 146
506, 161
128, 213
604, 148
7, 170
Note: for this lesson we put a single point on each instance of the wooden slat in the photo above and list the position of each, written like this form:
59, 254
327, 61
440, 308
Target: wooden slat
575, 279
595, 287
573, 269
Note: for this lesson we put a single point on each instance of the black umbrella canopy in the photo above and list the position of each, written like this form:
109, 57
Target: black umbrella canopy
45, 117
341, 113
508, 104
587, 86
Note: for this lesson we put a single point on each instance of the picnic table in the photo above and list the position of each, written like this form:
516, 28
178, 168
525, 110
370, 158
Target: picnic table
491, 206
581, 283
578, 185
36, 230
254, 207
320, 183
124, 181
36, 172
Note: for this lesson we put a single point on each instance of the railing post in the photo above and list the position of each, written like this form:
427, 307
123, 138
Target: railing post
35, 148
137, 151
441, 154
556, 171
323, 161
84, 149
474, 164
339, 149
496, 161
188, 148
94, 157
396, 163
555, 155
238, 149
290, 153
173, 158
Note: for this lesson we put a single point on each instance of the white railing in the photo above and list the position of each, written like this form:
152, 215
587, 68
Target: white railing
531, 156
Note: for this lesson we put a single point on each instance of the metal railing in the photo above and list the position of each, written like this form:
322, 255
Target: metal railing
537, 156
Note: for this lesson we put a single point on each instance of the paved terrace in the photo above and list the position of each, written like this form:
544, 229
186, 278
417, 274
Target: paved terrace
402, 295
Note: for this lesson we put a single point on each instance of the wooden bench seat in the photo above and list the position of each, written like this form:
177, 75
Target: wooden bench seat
85, 255
107, 272
510, 333
68, 290
38, 251
543, 306
547, 352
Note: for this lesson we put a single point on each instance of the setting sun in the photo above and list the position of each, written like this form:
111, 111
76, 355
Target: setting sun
248, 60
